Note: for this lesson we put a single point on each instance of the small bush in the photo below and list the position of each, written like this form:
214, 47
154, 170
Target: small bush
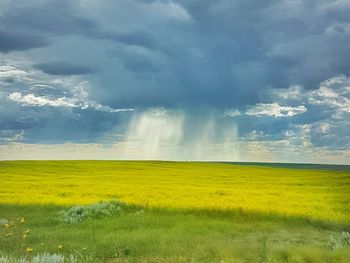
342, 241
345, 238
40, 258
47, 258
3, 221
7, 259
78, 214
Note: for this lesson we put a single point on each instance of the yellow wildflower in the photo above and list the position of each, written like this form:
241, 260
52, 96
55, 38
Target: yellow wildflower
8, 234
24, 236
7, 225
27, 231
60, 246
22, 220
29, 250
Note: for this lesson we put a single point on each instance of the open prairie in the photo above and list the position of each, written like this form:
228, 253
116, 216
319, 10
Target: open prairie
175, 212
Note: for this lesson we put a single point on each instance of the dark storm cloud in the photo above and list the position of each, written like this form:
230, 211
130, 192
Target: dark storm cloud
139, 38
80, 126
63, 68
44, 20
53, 17
140, 66
289, 39
189, 54
11, 40
9, 80
231, 50
57, 124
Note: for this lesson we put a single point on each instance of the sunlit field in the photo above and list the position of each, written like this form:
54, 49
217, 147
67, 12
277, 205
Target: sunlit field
317, 194
228, 210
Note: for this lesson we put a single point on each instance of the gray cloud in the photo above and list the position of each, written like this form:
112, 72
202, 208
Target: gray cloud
54, 17
20, 40
138, 37
46, 20
327, 117
63, 68
266, 63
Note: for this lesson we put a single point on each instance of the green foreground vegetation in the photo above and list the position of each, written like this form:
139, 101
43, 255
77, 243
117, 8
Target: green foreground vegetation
140, 235
140, 231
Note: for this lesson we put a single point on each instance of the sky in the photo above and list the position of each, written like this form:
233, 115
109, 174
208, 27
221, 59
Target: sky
224, 80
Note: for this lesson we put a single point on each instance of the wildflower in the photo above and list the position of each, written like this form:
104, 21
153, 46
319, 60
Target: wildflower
8, 234
27, 231
22, 220
29, 250
60, 246
24, 236
6, 225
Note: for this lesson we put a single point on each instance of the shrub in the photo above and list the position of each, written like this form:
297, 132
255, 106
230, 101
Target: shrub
102, 209
7, 259
40, 258
345, 238
47, 258
3, 221
342, 241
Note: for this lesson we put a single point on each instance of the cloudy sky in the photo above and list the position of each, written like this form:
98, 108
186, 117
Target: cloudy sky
179, 80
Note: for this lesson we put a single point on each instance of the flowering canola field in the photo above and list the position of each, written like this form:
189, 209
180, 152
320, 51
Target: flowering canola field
315, 194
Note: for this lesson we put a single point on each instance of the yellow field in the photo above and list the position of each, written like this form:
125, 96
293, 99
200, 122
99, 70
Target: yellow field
318, 194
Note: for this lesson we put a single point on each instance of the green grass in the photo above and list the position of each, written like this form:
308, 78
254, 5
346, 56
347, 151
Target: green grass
158, 235
176, 212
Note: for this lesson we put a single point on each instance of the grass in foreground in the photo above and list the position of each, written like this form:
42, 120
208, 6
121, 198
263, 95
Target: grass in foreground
159, 235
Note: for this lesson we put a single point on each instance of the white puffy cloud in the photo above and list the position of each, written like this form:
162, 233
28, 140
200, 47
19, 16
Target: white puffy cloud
32, 100
333, 93
275, 110
321, 128
10, 73
232, 112
33, 88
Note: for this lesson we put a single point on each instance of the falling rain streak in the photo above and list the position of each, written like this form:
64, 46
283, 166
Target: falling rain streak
160, 133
